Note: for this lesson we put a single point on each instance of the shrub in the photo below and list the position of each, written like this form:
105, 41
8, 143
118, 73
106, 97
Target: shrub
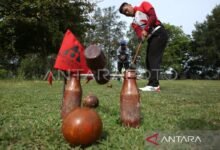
32, 67
3, 73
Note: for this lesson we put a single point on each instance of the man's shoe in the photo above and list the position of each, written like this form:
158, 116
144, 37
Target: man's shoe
150, 89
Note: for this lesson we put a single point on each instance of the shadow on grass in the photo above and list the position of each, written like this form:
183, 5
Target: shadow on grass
198, 124
120, 124
103, 137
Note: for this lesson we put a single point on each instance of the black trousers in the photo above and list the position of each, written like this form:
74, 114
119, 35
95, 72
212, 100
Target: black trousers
156, 45
121, 65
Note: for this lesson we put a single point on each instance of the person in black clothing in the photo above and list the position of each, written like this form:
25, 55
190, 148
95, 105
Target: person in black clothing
147, 26
123, 56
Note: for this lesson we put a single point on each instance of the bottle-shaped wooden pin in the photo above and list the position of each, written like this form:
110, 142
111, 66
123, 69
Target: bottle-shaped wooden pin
72, 95
130, 100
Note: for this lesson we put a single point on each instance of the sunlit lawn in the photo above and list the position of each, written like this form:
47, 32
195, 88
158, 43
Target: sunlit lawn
30, 113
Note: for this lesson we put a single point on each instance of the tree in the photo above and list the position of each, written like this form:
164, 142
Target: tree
206, 44
38, 26
176, 52
107, 31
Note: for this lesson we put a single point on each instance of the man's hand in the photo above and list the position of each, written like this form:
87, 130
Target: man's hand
143, 35
122, 57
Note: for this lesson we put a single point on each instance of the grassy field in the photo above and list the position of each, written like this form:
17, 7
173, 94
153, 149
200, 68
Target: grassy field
30, 113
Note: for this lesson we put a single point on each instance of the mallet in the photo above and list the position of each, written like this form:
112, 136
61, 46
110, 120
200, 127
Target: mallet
132, 65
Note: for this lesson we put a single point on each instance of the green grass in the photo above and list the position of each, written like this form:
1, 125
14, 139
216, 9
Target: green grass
30, 113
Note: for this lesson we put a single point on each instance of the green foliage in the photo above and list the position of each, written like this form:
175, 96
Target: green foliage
204, 59
30, 113
206, 40
177, 48
32, 67
107, 31
29, 27
3, 73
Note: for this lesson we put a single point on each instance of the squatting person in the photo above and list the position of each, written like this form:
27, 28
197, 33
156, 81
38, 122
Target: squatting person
123, 56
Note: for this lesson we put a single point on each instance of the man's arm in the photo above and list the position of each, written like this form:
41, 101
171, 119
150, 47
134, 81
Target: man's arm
137, 30
151, 21
149, 10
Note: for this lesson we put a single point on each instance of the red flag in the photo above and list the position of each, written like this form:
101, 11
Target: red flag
71, 55
50, 78
88, 79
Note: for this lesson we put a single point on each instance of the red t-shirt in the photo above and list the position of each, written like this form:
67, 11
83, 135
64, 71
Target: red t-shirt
145, 18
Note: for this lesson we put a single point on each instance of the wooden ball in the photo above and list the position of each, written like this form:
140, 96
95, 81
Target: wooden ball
82, 126
91, 101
